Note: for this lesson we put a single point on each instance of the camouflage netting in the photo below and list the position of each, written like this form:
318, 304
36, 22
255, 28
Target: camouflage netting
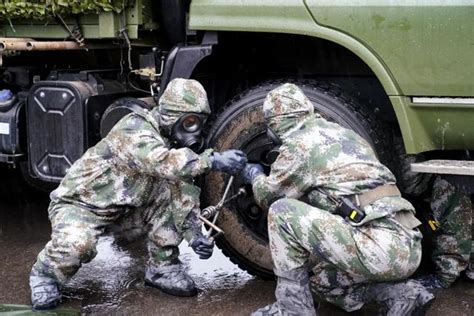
42, 9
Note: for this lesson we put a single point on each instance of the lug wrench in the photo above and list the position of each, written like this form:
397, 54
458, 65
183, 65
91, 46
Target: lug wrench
215, 210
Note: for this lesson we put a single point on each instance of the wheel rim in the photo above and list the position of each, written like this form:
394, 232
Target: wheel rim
256, 147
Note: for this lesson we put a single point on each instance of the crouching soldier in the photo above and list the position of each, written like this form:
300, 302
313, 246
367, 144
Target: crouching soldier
141, 172
452, 236
330, 197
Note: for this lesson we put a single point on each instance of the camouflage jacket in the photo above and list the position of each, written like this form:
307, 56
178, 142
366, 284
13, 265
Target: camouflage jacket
127, 167
317, 153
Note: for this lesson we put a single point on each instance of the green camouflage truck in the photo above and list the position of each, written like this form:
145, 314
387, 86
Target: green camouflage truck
400, 73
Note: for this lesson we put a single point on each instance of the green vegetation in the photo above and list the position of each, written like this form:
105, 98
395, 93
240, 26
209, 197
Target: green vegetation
43, 9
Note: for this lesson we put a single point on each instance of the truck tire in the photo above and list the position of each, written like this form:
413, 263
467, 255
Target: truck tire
241, 126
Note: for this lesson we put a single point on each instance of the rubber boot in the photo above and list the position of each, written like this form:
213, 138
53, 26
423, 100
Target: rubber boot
171, 279
470, 275
45, 292
400, 299
292, 293
470, 270
432, 282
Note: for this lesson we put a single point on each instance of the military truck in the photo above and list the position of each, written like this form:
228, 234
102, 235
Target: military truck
401, 74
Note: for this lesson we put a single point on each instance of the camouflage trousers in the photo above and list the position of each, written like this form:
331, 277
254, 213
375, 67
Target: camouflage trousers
347, 258
76, 230
453, 241
470, 269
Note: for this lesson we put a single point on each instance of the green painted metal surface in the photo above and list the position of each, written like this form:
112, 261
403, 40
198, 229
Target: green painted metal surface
428, 45
428, 127
280, 16
108, 25
423, 48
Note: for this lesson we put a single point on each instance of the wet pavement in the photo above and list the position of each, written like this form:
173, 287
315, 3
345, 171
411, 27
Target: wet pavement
113, 282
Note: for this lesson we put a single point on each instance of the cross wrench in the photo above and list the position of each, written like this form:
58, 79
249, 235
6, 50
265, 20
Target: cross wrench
215, 210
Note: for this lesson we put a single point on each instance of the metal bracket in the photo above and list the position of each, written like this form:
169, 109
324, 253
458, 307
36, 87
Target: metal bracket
460, 173
11, 159
182, 60
454, 167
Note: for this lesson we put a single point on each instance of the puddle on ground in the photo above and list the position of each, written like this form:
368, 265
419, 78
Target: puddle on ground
115, 276
113, 282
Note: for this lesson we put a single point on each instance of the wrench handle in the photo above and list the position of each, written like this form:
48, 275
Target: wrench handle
211, 224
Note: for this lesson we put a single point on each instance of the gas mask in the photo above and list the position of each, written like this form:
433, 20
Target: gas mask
186, 132
272, 155
273, 137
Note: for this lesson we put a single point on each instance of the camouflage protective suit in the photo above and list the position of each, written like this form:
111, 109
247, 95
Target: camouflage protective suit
314, 154
452, 242
452, 237
470, 269
131, 178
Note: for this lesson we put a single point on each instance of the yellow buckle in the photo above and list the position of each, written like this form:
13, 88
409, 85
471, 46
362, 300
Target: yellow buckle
434, 224
353, 215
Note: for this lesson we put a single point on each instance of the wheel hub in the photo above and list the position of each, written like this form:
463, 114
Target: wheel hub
257, 147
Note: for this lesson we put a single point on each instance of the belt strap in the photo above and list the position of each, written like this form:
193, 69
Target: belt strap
407, 219
379, 192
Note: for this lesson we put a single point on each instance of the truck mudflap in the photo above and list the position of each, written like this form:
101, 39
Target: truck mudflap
182, 60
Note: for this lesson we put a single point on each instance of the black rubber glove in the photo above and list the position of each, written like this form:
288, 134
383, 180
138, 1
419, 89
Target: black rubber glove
250, 172
231, 161
431, 282
202, 247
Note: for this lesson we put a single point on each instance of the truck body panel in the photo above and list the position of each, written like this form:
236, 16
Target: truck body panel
428, 46
414, 48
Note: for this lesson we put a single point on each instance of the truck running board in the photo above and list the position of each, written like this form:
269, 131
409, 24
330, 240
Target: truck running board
453, 167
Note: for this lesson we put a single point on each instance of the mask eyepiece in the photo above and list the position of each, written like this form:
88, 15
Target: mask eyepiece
191, 123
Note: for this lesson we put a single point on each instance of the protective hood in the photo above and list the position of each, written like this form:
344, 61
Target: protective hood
181, 96
285, 108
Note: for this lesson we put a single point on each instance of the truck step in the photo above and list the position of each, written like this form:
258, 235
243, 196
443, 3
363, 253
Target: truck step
456, 167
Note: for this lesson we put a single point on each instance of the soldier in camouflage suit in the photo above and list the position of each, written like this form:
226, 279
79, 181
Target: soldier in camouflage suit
318, 159
134, 178
452, 241
470, 269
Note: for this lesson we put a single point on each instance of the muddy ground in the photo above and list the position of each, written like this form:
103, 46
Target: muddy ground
113, 282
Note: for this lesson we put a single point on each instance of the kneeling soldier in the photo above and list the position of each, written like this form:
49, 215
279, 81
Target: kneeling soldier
330, 197
134, 177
